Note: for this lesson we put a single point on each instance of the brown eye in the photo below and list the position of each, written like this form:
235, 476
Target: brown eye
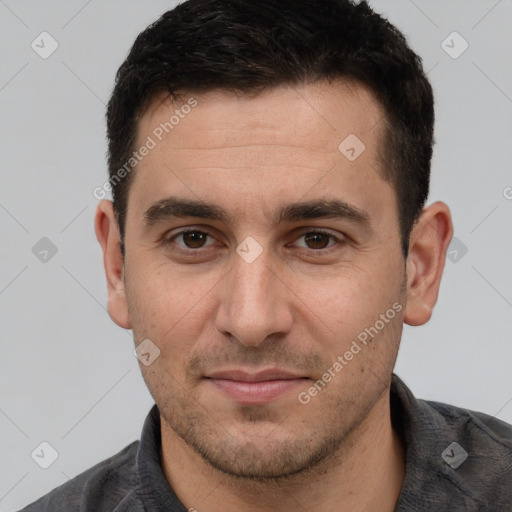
192, 239
317, 240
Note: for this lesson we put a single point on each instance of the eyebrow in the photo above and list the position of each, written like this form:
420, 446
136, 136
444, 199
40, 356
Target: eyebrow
176, 207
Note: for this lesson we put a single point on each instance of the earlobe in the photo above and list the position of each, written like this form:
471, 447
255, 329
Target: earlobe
417, 312
107, 233
425, 262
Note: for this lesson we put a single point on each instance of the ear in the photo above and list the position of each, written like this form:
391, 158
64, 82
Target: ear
425, 262
107, 233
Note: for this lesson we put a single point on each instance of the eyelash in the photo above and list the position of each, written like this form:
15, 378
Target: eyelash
167, 242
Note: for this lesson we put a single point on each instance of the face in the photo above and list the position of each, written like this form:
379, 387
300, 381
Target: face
292, 257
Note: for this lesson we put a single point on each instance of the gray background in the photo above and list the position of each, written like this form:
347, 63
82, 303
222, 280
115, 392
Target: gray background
68, 375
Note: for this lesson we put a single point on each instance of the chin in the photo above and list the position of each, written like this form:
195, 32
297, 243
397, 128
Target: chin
261, 458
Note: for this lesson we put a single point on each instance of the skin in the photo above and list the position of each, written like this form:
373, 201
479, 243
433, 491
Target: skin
298, 306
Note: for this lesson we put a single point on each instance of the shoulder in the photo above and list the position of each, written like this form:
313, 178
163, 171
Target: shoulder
483, 434
102, 487
473, 452
455, 458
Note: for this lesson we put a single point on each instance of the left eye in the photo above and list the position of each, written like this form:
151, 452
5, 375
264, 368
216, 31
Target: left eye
317, 240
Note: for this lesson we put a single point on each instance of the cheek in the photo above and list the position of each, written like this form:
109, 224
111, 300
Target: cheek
169, 306
346, 302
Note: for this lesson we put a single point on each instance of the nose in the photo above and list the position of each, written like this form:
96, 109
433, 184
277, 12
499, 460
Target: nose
254, 302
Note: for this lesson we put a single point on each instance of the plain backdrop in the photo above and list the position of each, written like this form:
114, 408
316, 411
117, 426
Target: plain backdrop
68, 376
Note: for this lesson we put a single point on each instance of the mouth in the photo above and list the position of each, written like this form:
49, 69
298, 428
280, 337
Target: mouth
255, 388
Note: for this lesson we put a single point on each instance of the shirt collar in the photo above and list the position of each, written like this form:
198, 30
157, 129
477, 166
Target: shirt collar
154, 490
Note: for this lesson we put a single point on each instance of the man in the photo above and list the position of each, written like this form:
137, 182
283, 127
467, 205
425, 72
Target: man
268, 237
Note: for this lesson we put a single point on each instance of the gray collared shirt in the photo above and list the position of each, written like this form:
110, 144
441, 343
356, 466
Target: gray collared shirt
456, 460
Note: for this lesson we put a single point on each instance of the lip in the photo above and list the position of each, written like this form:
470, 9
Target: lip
261, 376
255, 388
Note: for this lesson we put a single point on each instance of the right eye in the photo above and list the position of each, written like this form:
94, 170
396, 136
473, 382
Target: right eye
190, 239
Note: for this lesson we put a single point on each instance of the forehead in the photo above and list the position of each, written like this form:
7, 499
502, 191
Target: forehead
314, 117
284, 144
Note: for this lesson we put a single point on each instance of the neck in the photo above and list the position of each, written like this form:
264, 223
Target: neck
366, 473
